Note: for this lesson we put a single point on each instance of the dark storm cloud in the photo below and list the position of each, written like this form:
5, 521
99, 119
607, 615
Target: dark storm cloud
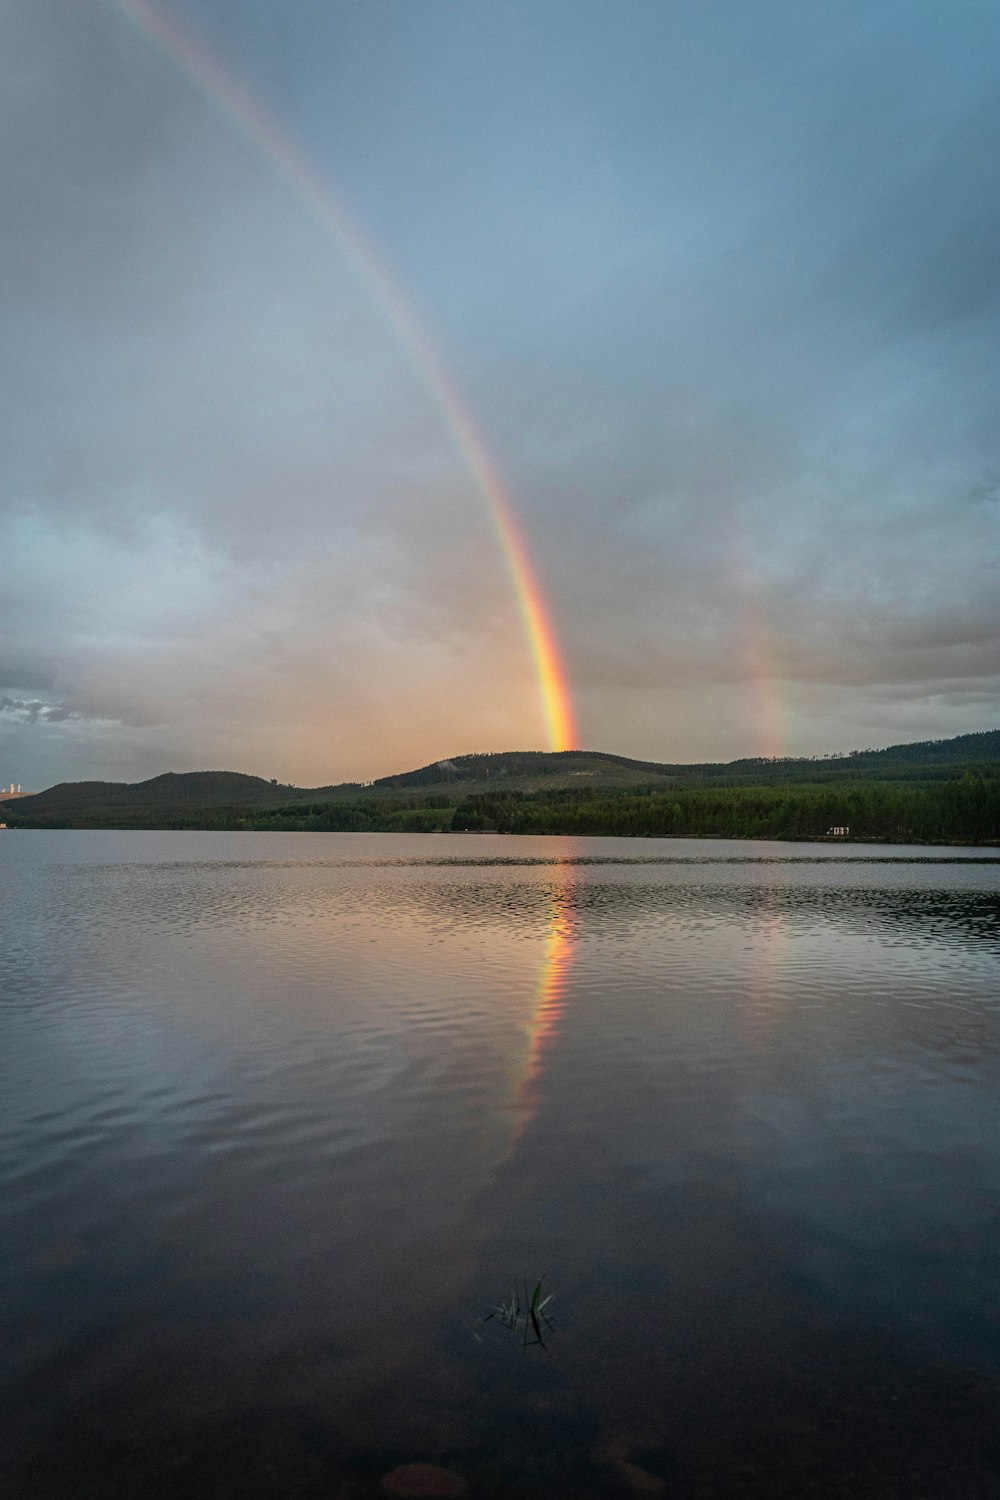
986, 489
24, 673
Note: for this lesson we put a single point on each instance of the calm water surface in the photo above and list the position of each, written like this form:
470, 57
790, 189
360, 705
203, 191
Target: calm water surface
283, 1116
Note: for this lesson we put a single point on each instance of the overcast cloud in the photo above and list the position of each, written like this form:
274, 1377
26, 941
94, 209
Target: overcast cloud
718, 283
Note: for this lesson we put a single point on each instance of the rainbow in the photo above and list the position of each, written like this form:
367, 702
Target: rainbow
763, 674
759, 651
192, 60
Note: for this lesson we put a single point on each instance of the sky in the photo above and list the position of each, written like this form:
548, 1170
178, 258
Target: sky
715, 285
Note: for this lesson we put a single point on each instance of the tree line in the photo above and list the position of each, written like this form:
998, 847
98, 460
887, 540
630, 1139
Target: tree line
966, 810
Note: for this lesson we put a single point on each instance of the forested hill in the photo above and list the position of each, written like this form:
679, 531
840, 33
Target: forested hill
924, 758
961, 749
530, 765
935, 789
193, 789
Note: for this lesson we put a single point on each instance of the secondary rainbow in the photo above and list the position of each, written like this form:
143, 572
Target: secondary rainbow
196, 64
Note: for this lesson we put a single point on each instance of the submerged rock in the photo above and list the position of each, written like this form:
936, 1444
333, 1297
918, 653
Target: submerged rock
613, 1459
423, 1482
640, 1481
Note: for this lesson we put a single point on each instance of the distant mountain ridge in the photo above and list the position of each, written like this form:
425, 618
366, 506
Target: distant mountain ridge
219, 798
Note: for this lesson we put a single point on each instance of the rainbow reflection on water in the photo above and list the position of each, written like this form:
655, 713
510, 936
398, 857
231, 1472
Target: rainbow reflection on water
551, 991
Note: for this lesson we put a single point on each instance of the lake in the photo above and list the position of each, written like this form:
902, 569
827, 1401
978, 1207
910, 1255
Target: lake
286, 1121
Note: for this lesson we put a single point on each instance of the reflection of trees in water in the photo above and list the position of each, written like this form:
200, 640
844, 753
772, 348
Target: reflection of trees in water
594, 907
597, 897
